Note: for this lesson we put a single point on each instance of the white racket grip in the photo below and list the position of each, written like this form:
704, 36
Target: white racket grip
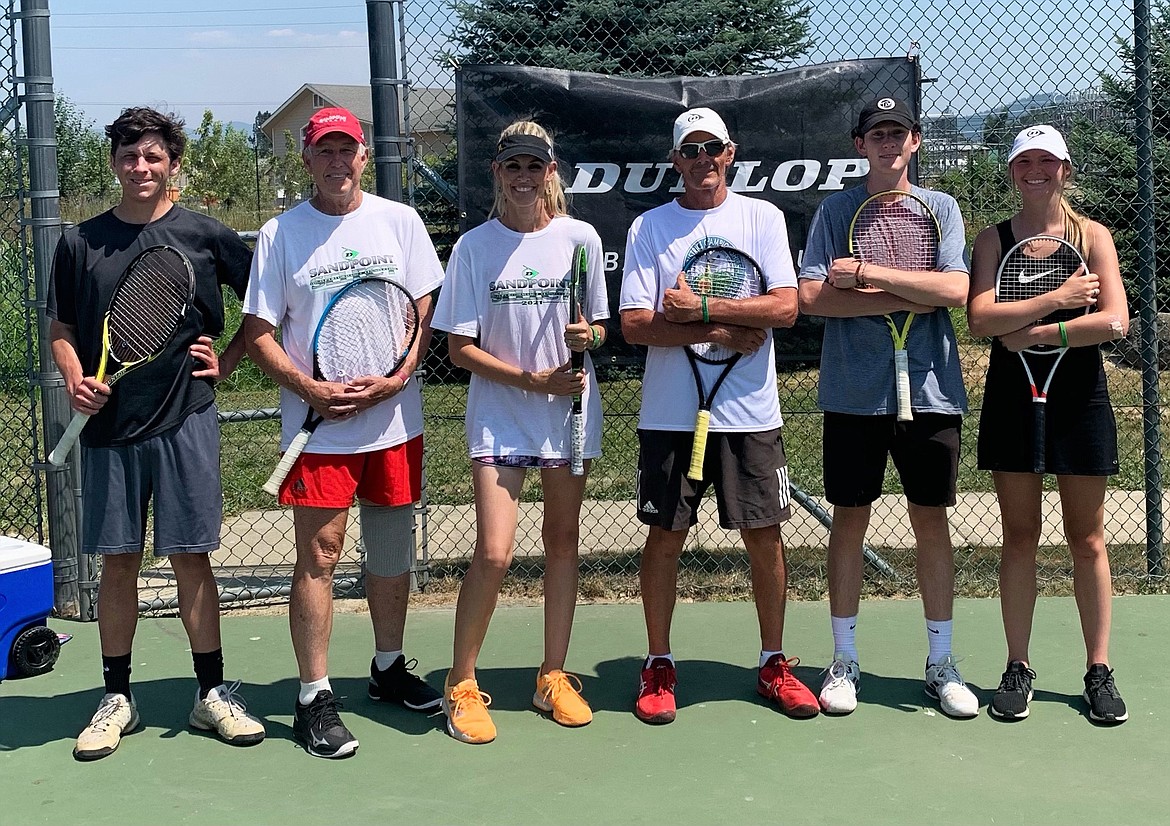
699, 451
272, 486
902, 384
577, 458
60, 454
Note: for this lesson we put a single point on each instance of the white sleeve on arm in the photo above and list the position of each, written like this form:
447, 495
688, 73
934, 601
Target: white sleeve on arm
423, 271
776, 258
596, 290
456, 311
265, 297
639, 279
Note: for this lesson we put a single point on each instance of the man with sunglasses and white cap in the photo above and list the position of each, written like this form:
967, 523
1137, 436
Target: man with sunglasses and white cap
744, 460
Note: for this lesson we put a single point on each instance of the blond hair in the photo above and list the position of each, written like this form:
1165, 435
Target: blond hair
556, 202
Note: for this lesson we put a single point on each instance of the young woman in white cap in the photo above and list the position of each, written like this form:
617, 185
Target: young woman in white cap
1081, 444
504, 306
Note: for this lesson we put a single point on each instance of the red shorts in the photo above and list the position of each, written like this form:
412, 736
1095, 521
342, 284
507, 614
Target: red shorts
390, 477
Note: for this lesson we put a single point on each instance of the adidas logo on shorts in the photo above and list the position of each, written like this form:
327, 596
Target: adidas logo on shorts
648, 507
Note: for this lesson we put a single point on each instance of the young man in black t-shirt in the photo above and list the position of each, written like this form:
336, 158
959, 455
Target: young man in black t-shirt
156, 437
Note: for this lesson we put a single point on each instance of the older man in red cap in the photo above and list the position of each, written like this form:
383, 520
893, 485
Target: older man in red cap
371, 446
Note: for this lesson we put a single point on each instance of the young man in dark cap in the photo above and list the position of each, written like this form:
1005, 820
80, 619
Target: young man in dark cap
857, 393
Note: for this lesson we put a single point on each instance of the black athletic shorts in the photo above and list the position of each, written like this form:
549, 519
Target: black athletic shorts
925, 452
748, 470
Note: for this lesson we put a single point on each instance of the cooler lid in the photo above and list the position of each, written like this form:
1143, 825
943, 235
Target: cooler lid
16, 554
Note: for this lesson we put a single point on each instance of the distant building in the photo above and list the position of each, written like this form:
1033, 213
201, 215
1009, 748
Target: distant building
429, 112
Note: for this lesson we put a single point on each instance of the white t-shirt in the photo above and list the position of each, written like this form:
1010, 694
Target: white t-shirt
303, 257
510, 290
658, 244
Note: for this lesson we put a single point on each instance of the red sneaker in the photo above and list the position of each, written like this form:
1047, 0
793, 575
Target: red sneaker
777, 682
656, 693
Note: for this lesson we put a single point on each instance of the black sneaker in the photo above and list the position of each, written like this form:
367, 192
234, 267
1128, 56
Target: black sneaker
398, 685
319, 729
1014, 693
1105, 704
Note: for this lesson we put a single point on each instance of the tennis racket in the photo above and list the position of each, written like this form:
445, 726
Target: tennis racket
896, 229
367, 329
577, 360
1033, 267
146, 310
715, 272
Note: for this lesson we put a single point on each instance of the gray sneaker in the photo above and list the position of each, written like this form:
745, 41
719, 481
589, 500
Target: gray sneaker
944, 684
116, 715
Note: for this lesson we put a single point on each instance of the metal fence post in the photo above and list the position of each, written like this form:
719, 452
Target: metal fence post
1151, 410
41, 140
384, 83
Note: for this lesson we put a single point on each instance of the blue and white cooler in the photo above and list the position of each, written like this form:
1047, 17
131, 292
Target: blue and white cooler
27, 645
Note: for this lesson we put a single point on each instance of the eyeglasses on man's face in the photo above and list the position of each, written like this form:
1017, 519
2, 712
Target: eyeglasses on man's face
690, 151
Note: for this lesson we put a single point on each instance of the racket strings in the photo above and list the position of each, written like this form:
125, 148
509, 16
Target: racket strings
1038, 267
721, 274
367, 332
148, 306
894, 234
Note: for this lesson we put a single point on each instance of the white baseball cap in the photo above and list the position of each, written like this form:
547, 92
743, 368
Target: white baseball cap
701, 119
1040, 137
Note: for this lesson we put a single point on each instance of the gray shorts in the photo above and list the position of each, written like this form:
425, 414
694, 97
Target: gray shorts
178, 468
748, 470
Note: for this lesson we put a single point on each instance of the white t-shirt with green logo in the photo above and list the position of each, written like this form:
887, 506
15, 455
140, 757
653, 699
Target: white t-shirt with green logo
510, 290
303, 258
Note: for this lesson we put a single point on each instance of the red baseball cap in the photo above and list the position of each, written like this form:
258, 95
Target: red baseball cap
332, 119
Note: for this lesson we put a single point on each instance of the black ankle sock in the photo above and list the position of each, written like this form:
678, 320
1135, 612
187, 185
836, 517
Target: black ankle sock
116, 674
208, 670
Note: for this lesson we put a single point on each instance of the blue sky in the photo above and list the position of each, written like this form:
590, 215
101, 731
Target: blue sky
237, 57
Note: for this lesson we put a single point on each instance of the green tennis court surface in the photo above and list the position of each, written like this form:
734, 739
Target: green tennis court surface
729, 758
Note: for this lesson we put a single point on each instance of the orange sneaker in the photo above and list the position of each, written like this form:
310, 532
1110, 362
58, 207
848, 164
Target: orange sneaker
560, 692
467, 715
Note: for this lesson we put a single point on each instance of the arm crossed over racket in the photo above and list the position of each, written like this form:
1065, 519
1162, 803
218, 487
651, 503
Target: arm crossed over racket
1044, 265
710, 276
366, 333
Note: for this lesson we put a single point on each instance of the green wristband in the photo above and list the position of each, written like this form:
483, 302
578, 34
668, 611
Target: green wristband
596, 342
706, 316
1063, 334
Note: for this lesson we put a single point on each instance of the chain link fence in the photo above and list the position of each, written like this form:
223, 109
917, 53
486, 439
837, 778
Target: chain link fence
21, 505
988, 68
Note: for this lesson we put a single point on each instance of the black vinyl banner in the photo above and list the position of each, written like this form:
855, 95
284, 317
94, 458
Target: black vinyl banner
613, 135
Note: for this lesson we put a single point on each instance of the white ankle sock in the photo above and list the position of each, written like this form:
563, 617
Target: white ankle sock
938, 637
385, 659
652, 657
309, 690
844, 637
767, 655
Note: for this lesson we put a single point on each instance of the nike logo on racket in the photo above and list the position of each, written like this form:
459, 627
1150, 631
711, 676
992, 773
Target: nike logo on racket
1028, 279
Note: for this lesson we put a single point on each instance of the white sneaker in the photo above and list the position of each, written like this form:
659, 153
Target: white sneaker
224, 712
116, 715
839, 691
944, 684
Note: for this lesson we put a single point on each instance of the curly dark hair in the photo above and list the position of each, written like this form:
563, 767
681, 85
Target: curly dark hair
133, 123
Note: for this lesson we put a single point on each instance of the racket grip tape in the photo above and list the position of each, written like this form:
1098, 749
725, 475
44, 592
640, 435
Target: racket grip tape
577, 458
68, 439
1039, 446
699, 449
902, 385
272, 486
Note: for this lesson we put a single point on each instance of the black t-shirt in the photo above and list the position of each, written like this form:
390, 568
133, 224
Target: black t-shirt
89, 261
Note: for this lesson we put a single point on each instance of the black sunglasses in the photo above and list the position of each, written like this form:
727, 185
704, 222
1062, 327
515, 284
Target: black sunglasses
690, 151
